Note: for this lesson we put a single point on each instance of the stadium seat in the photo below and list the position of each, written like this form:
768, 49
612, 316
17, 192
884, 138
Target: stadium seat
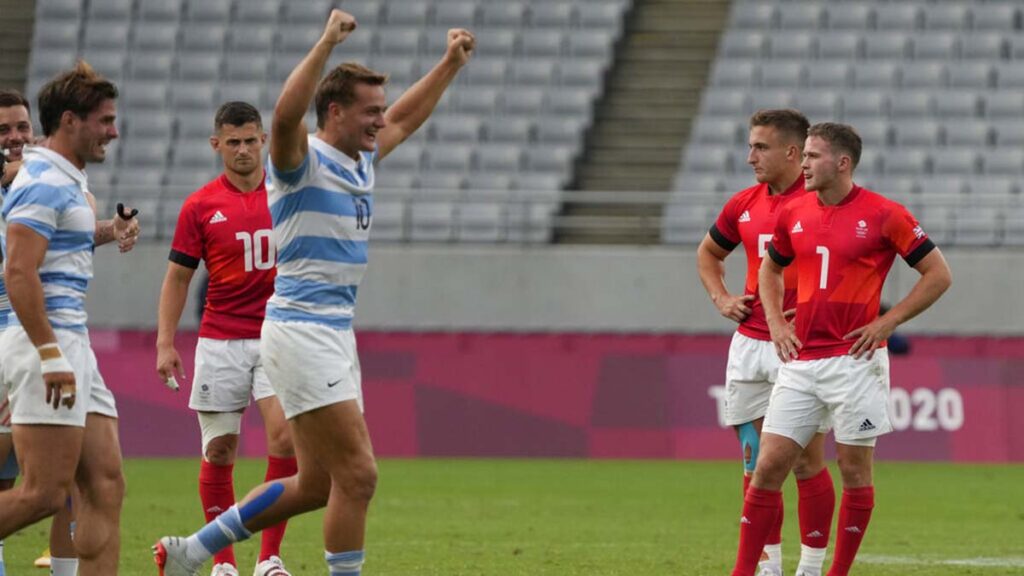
946, 185
596, 14
683, 224
730, 103
708, 160
911, 104
193, 155
405, 158
905, 162
208, 11
573, 102
937, 222
156, 125
874, 132
459, 129
408, 13
432, 221
818, 104
967, 132
56, 10
489, 181
481, 221
455, 14
145, 153
402, 70
589, 44
242, 91
261, 11
1002, 105
800, 16
400, 41
1010, 75
500, 43
151, 37
956, 104
923, 75
555, 159
714, 131
792, 45
975, 75
206, 39
905, 16
1009, 132
533, 72
1003, 162
886, 46
392, 177
104, 35
312, 12
992, 188
193, 96
734, 74
982, 46
144, 95
456, 158
556, 15
520, 100
542, 43
159, 10
499, 159
487, 72
765, 99
935, 46
828, 74
251, 40
110, 10
508, 129
1003, 16
1013, 227
865, 103
976, 226
742, 45
560, 129
951, 16
582, 73
876, 75
242, 67
955, 161
199, 67
752, 16
503, 15
44, 64
839, 46
388, 220
440, 185
850, 16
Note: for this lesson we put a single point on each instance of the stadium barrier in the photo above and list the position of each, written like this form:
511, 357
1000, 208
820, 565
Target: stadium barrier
586, 396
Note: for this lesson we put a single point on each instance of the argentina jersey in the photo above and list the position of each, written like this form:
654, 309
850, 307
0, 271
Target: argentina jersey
48, 196
321, 213
5, 303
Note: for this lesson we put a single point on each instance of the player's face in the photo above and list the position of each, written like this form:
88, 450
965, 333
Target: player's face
92, 134
820, 165
15, 131
768, 154
364, 118
240, 147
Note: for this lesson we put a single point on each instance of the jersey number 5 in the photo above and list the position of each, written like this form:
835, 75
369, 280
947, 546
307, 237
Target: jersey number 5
259, 249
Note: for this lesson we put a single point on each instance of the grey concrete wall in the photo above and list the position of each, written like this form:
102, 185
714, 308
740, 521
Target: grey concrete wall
543, 288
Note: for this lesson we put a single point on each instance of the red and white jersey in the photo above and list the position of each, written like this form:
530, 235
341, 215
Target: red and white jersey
231, 231
748, 218
842, 254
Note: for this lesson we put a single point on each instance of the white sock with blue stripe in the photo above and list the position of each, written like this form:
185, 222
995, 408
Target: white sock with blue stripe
223, 531
2, 569
345, 563
63, 566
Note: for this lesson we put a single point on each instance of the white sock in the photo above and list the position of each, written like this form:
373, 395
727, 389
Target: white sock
811, 560
774, 552
1, 551
63, 566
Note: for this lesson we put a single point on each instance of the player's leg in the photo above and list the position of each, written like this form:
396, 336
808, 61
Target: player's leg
47, 456
8, 473
281, 463
790, 424
62, 559
816, 506
219, 432
101, 487
750, 374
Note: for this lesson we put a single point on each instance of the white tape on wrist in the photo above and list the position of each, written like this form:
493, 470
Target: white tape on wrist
60, 364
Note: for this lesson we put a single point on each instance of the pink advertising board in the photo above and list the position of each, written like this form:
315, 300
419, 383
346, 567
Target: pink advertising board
586, 396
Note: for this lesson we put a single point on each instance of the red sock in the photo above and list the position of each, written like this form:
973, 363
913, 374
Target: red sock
217, 493
270, 544
817, 505
775, 536
854, 515
760, 509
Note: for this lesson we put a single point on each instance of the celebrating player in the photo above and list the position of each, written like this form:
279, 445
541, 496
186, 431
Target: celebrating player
321, 206
63, 417
227, 224
843, 241
776, 143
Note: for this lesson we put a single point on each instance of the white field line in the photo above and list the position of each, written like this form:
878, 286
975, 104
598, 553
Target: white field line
979, 562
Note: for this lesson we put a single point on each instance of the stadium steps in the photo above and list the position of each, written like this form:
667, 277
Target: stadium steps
15, 39
643, 118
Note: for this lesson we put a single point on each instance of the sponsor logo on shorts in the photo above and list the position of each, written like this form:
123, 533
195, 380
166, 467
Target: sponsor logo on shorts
335, 383
866, 425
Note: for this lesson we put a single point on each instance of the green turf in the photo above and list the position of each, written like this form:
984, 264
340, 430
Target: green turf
564, 518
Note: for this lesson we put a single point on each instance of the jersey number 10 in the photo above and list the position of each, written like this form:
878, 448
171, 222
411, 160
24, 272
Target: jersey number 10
259, 249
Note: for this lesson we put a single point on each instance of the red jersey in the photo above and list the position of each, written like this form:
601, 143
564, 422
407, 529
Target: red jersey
748, 218
231, 231
843, 254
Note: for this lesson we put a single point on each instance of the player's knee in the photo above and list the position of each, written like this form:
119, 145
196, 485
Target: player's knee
220, 453
750, 442
808, 465
359, 481
44, 500
220, 436
856, 472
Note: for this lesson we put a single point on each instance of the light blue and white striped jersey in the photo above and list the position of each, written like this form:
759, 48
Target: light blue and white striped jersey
321, 213
5, 304
48, 196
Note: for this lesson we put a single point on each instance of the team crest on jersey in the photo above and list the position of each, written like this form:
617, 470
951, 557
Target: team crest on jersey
797, 228
918, 232
745, 217
218, 217
862, 229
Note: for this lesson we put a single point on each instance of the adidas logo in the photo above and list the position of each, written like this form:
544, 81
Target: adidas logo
853, 530
744, 520
215, 509
218, 217
797, 228
745, 217
814, 534
866, 425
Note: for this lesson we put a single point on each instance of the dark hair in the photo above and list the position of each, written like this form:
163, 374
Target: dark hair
790, 123
840, 137
10, 98
80, 90
236, 114
340, 86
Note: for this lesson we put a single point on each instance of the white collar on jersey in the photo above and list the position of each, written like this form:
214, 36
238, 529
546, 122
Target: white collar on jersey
60, 162
338, 156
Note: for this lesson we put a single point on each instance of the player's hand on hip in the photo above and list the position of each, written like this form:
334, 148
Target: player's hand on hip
787, 345
339, 25
60, 389
869, 337
168, 366
734, 307
461, 44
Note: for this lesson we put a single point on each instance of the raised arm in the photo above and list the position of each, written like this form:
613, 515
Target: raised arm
413, 107
288, 146
936, 278
711, 269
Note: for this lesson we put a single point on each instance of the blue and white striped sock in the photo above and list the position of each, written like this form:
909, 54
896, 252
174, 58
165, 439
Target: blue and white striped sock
3, 570
223, 531
345, 563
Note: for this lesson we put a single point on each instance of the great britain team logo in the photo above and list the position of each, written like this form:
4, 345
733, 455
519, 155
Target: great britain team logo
862, 229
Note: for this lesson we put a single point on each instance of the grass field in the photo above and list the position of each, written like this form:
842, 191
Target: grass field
554, 517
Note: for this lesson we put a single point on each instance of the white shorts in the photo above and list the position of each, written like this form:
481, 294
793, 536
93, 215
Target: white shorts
5, 407
749, 378
853, 393
228, 372
311, 366
20, 373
